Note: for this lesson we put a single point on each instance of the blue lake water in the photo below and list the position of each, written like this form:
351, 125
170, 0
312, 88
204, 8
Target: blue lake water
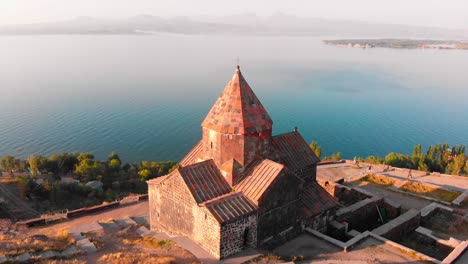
145, 96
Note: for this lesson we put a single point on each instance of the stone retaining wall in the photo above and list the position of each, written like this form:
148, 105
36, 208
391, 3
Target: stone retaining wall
345, 194
400, 226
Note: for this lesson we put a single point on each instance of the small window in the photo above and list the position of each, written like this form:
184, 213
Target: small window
205, 216
211, 145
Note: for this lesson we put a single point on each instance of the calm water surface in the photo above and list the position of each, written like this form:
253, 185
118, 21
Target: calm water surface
145, 96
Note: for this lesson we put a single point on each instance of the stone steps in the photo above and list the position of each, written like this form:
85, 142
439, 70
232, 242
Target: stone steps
86, 245
126, 222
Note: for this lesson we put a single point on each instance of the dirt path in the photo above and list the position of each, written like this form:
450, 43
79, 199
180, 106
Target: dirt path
139, 209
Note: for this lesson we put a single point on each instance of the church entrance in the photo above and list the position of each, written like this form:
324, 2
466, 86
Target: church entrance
246, 237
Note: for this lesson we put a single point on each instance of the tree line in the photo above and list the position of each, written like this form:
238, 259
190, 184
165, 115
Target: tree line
118, 178
441, 158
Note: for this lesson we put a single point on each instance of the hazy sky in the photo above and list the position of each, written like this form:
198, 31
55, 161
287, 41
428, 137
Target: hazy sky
443, 13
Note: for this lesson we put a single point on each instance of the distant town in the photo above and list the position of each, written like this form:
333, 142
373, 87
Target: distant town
399, 43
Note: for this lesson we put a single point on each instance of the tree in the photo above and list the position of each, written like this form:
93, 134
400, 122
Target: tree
85, 156
65, 162
417, 151
374, 160
462, 149
38, 164
398, 160
316, 148
114, 156
145, 174
422, 165
88, 169
9, 163
26, 186
336, 156
457, 165
114, 164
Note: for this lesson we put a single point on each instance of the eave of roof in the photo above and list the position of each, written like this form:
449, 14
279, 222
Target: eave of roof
230, 207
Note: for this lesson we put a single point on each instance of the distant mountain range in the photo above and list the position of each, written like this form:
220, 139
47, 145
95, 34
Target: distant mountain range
244, 24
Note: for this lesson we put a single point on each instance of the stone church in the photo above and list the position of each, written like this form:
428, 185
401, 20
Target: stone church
240, 186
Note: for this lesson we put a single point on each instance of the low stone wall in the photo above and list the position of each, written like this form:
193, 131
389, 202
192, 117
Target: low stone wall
344, 194
400, 226
359, 213
78, 212
352, 242
393, 208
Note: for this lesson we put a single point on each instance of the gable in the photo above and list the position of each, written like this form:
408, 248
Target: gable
204, 181
292, 150
259, 179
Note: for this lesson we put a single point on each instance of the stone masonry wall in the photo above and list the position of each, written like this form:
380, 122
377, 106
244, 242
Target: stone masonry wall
238, 235
400, 226
174, 208
344, 194
207, 231
359, 214
320, 222
280, 206
153, 204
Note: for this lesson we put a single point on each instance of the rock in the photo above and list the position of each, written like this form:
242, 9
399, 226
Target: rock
48, 254
23, 257
71, 252
142, 231
87, 246
127, 222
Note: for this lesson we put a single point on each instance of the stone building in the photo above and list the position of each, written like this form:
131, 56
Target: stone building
240, 186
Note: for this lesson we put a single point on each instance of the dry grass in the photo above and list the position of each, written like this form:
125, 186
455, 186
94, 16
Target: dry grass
148, 242
265, 259
124, 258
378, 179
436, 193
62, 261
13, 245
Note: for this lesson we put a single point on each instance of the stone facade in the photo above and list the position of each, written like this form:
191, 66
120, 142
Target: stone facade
238, 235
279, 212
172, 205
240, 186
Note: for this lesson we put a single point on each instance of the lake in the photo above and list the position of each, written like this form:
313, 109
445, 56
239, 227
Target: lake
145, 96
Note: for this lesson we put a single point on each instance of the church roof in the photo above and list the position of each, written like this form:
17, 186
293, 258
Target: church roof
238, 110
204, 180
293, 151
230, 207
193, 155
316, 200
259, 179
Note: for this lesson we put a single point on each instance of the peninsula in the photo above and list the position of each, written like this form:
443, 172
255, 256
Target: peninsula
399, 43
